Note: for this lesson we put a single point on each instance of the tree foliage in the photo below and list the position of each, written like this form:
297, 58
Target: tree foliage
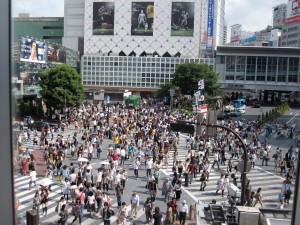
187, 76
164, 90
61, 85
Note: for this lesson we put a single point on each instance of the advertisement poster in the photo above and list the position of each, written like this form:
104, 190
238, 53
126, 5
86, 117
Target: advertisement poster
210, 27
32, 50
56, 53
103, 18
142, 16
182, 21
293, 11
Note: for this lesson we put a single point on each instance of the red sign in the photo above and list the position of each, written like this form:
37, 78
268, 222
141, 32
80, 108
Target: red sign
292, 19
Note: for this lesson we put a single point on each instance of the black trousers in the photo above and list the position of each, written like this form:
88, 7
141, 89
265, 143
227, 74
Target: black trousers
182, 217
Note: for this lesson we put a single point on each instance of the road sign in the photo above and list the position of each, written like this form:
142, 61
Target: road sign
201, 99
197, 93
203, 108
201, 84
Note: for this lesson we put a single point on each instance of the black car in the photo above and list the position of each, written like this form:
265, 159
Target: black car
256, 104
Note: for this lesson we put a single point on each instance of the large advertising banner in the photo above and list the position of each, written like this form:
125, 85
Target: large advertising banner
103, 18
142, 15
56, 53
182, 21
32, 50
210, 27
293, 11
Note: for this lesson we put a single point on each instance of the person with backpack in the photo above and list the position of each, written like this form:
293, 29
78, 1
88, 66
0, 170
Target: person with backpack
107, 213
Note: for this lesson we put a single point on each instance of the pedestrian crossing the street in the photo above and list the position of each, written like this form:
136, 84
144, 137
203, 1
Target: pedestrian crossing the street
24, 196
270, 183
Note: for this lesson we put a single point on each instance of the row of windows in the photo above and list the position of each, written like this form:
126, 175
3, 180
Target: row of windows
261, 68
122, 84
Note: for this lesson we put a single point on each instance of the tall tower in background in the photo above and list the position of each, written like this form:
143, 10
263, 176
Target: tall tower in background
212, 26
279, 15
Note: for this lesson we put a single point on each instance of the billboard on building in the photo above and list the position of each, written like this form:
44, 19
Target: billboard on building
56, 53
210, 28
32, 50
103, 18
236, 31
182, 21
142, 15
293, 11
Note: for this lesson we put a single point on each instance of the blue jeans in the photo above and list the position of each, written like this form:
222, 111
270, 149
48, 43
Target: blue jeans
81, 210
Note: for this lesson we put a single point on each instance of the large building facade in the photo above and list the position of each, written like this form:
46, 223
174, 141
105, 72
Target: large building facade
171, 26
136, 44
259, 69
291, 29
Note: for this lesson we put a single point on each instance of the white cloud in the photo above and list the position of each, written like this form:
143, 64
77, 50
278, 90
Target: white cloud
253, 15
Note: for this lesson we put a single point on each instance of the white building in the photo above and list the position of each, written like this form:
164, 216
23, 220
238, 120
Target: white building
135, 44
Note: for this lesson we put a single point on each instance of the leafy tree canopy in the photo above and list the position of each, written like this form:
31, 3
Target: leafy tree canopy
164, 90
61, 85
187, 76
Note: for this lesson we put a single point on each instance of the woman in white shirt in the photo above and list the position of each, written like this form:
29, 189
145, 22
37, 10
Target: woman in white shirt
91, 203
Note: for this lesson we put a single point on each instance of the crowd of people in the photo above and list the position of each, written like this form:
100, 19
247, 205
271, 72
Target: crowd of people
141, 139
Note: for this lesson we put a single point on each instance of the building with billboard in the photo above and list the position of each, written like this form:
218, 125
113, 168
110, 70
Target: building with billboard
135, 45
265, 71
291, 29
50, 29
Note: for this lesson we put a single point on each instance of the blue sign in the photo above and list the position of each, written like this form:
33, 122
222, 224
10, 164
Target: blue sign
108, 98
210, 27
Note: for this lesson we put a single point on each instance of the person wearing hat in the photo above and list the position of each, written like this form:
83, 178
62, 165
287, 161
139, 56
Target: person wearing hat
183, 211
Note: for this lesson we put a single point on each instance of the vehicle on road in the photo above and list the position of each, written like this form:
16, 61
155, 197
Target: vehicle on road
240, 105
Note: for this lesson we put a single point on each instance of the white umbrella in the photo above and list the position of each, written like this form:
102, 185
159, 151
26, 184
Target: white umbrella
45, 182
81, 159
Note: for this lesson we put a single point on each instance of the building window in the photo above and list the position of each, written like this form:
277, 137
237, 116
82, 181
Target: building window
293, 69
240, 67
282, 69
261, 68
272, 67
251, 67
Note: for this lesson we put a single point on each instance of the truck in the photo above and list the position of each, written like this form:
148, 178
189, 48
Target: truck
133, 101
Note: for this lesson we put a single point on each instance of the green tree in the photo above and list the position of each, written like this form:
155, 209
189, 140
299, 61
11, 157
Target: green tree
164, 90
61, 86
187, 76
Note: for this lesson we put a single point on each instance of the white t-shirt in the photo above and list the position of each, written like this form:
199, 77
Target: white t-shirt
149, 164
32, 175
137, 165
123, 152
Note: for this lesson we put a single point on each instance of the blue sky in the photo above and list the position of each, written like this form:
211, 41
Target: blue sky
252, 14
